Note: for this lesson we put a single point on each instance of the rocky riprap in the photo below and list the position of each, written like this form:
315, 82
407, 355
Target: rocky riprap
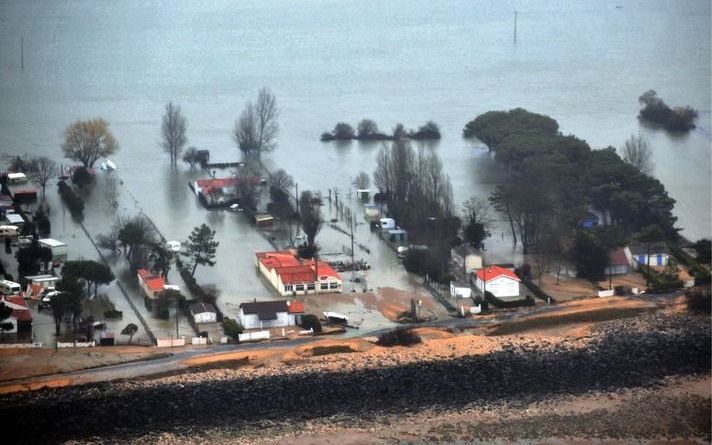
622, 354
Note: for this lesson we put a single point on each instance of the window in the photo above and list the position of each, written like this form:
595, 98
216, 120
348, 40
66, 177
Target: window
324, 286
334, 285
300, 287
310, 286
288, 288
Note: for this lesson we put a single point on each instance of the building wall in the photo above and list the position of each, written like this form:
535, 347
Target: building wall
251, 321
617, 270
205, 317
500, 287
656, 259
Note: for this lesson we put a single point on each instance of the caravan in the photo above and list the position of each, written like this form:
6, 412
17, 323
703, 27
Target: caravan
9, 287
8, 231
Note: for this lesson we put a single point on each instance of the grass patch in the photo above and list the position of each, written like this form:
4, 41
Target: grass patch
565, 319
336, 349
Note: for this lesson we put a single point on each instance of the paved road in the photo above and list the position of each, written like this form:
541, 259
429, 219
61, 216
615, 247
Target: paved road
174, 362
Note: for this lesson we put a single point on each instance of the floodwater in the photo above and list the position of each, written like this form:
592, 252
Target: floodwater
583, 63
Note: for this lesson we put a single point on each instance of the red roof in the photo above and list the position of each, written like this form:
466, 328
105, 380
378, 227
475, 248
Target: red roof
21, 315
292, 270
296, 307
15, 299
153, 282
492, 272
618, 257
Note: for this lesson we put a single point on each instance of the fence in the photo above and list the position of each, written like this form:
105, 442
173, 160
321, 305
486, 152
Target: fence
20, 345
121, 288
436, 290
198, 341
606, 293
77, 344
249, 336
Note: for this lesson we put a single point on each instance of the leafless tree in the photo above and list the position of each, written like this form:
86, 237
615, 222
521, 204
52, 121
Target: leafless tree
637, 153
41, 171
382, 175
282, 181
256, 129
362, 181
245, 132
87, 141
173, 132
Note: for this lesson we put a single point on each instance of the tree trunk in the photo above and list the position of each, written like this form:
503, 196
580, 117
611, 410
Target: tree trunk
192, 273
57, 326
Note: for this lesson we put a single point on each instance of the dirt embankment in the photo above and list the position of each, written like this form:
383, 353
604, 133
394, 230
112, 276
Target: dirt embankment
362, 391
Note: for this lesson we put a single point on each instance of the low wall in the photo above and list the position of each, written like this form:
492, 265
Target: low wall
20, 345
198, 341
259, 335
78, 344
606, 293
170, 342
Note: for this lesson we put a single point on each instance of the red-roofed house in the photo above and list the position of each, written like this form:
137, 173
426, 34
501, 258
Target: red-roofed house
151, 285
618, 262
500, 282
21, 317
292, 276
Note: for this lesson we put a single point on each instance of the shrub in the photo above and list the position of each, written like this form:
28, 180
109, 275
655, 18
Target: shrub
428, 131
113, 314
73, 201
232, 328
399, 337
699, 299
310, 321
336, 349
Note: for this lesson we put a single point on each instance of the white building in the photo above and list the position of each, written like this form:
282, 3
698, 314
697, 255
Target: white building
658, 254
58, 248
467, 258
500, 282
460, 290
270, 314
291, 276
203, 313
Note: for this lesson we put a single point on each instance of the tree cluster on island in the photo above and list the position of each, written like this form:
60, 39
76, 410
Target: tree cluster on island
367, 130
551, 181
655, 110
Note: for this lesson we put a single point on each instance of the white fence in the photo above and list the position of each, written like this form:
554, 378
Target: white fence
199, 341
467, 310
259, 335
19, 345
170, 342
78, 344
606, 293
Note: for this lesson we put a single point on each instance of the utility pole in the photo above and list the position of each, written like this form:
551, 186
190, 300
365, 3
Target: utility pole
353, 265
22, 53
296, 196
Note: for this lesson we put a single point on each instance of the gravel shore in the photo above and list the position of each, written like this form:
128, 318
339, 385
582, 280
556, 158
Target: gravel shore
249, 404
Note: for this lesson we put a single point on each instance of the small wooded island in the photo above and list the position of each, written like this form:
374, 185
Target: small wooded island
367, 130
655, 110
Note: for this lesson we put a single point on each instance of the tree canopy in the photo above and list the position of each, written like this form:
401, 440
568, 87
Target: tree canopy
201, 247
88, 141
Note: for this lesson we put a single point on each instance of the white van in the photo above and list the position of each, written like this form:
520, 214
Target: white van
9, 287
9, 231
16, 178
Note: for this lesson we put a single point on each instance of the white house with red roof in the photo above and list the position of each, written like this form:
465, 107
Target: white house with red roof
151, 285
270, 314
500, 282
290, 275
21, 317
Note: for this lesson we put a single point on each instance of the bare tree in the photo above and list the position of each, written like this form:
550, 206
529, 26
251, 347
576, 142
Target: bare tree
266, 112
637, 153
191, 156
282, 181
382, 175
87, 141
310, 217
173, 132
41, 170
245, 132
256, 129
362, 181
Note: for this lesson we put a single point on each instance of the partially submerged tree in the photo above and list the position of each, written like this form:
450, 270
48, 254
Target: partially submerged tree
366, 129
310, 218
131, 329
256, 129
88, 141
343, 131
362, 181
637, 153
41, 170
5, 312
191, 156
201, 247
173, 132
91, 272
282, 181
134, 232
476, 221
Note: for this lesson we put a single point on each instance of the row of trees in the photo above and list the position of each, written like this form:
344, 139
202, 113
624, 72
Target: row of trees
551, 179
367, 130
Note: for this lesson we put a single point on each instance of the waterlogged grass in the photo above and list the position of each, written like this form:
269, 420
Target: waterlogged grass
553, 321
336, 349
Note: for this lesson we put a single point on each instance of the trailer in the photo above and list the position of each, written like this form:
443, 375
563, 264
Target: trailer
59, 249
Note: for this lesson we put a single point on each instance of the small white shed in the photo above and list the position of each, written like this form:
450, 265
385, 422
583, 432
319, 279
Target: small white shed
59, 249
203, 313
